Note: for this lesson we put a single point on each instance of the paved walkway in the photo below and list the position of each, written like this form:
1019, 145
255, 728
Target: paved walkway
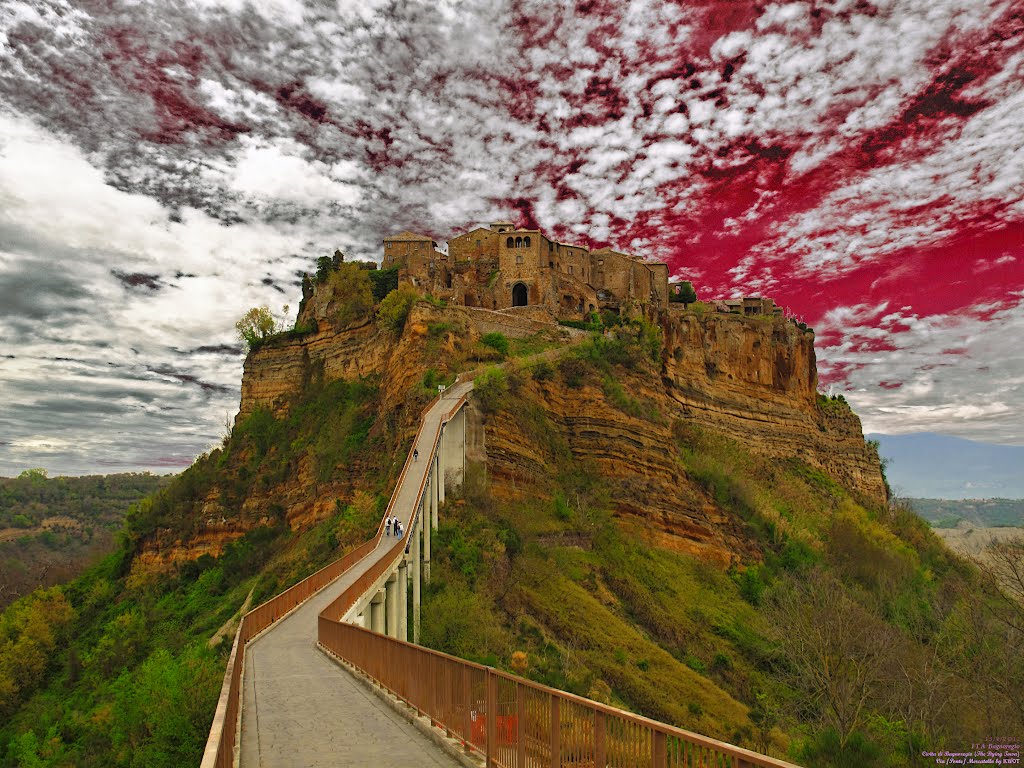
301, 709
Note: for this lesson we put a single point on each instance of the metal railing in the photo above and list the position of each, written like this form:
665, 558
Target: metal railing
511, 721
220, 744
516, 723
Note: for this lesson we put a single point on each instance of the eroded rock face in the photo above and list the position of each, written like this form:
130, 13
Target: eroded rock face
753, 379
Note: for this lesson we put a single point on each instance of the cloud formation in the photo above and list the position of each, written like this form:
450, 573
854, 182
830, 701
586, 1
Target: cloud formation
163, 167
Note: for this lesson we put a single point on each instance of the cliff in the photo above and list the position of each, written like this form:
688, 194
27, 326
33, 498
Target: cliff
753, 380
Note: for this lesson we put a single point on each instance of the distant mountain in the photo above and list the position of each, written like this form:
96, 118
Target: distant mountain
927, 465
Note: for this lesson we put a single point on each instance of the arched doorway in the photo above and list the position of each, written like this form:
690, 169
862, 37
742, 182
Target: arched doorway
519, 295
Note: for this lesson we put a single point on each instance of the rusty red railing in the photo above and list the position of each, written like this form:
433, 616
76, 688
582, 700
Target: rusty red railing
220, 745
516, 723
511, 721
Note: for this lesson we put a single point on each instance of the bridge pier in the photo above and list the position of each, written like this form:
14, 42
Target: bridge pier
425, 515
436, 490
403, 601
415, 533
377, 612
452, 453
391, 605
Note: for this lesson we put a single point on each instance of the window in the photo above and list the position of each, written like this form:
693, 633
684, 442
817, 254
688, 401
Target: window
551, 264
519, 258
570, 269
388, 246
526, 242
519, 242
477, 243
510, 243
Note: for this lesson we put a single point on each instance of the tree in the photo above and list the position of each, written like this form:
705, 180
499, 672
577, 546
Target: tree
352, 293
684, 293
834, 648
324, 267
395, 308
255, 326
384, 282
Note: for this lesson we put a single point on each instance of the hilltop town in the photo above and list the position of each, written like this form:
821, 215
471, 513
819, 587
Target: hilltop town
502, 266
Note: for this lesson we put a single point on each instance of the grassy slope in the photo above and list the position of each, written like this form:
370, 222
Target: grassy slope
114, 668
600, 613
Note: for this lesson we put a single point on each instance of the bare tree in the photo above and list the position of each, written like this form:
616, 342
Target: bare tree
834, 648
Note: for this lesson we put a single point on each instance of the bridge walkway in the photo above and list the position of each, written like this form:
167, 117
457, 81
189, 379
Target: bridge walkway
298, 707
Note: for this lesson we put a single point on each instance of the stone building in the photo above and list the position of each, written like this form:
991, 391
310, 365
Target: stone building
502, 266
748, 306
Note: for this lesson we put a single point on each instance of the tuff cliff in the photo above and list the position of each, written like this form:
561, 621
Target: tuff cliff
751, 379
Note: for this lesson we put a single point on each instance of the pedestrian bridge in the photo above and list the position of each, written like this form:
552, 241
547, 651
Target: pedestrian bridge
286, 701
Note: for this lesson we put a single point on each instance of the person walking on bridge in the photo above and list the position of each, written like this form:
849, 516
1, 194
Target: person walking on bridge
387, 526
415, 454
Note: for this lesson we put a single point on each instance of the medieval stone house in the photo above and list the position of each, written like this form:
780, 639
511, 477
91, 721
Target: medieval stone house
501, 266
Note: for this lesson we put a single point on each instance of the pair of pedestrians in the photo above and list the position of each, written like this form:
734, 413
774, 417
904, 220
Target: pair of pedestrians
392, 525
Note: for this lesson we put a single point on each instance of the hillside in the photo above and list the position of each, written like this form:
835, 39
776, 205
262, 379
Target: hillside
978, 513
655, 513
51, 529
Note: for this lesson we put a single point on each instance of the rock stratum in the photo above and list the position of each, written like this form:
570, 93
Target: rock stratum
753, 380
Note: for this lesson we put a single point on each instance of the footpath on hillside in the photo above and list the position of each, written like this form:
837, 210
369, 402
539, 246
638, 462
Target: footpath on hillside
298, 707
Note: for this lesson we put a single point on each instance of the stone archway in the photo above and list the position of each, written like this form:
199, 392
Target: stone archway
520, 295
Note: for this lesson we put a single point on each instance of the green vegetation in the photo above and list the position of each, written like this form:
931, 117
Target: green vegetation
256, 326
384, 282
821, 645
834, 404
981, 513
496, 341
686, 294
394, 309
353, 293
56, 527
491, 389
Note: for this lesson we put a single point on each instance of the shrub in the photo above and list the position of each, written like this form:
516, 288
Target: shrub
491, 389
353, 293
573, 371
256, 326
384, 281
394, 309
497, 342
543, 371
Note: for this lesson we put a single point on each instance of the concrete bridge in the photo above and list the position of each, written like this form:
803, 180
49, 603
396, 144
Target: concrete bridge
291, 695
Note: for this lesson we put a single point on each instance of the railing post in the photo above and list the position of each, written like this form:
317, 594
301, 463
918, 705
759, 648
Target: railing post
467, 701
520, 726
492, 718
659, 744
599, 750
556, 732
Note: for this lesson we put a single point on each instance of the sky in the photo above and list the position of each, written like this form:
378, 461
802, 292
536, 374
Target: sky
164, 166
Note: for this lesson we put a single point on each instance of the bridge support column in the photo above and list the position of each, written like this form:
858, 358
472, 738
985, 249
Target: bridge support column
436, 490
416, 580
442, 456
391, 605
377, 613
453, 456
425, 517
403, 601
